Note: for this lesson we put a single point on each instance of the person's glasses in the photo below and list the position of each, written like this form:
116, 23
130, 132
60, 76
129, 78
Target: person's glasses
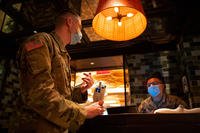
153, 83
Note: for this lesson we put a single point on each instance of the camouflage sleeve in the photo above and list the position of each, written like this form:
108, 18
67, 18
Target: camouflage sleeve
38, 87
78, 96
145, 106
140, 108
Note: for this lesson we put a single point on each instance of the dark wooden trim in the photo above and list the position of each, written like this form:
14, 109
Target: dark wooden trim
142, 123
108, 48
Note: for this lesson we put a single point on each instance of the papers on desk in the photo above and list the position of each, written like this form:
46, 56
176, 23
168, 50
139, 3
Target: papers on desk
179, 109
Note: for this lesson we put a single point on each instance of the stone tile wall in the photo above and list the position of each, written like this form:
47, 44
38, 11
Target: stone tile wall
9, 92
190, 63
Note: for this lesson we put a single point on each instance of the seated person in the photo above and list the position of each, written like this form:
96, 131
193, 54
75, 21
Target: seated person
158, 97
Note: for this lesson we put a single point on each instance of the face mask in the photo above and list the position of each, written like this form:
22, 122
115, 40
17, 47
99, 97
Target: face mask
76, 37
154, 90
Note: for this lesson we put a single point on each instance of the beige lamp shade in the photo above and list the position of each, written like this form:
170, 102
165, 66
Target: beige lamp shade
119, 20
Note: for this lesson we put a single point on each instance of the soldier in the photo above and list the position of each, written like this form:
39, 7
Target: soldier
158, 97
51, 104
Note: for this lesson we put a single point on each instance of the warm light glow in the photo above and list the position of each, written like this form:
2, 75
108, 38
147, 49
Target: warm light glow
116, 9
114, 105
91, 63
114, 81
119, 23
109, 18
111, 101
128, 19
129, 14
116, 4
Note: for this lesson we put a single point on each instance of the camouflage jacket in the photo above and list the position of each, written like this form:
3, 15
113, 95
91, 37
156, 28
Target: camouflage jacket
168, 101
45, 80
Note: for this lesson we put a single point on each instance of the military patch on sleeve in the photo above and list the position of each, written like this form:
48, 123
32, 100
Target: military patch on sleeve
33, 45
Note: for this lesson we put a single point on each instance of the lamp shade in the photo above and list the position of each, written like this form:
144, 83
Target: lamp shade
119, 20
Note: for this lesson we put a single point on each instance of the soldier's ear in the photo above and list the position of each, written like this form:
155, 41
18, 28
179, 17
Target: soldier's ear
69, 21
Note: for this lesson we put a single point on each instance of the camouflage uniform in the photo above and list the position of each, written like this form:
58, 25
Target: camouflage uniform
168, 101
46, 91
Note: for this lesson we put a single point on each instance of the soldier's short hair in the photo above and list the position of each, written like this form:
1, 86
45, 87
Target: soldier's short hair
68, 10
65, 12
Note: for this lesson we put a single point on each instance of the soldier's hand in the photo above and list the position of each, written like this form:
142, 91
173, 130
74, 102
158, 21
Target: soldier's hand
87, 82
101, 102
94, 110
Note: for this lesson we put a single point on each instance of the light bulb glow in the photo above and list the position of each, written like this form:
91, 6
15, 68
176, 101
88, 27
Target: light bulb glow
129, 14
109, 18
116, 9
91, 63
119, 23
116, 4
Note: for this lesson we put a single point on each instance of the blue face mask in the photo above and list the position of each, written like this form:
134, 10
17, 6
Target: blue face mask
154, 90
76, 37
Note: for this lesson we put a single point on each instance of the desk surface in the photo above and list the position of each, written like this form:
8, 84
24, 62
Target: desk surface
135, 122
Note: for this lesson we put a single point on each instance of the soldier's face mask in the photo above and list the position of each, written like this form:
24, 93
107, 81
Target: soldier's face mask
76, 37
154, 90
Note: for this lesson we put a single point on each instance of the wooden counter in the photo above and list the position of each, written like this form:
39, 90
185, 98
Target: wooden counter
138, 123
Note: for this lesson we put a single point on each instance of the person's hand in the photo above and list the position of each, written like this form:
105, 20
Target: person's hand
87, 82
94, 109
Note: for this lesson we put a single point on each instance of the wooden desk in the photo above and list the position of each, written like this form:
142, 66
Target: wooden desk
139, 123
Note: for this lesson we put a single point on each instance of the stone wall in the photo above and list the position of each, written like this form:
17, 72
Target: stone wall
190, 60
9, 91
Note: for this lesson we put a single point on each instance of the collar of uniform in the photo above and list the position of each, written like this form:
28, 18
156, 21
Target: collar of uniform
160, 102
59, 41
164, 98
150, 102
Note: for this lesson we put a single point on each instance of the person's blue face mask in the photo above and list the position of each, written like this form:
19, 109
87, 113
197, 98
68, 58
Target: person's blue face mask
76, 37
154, 90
